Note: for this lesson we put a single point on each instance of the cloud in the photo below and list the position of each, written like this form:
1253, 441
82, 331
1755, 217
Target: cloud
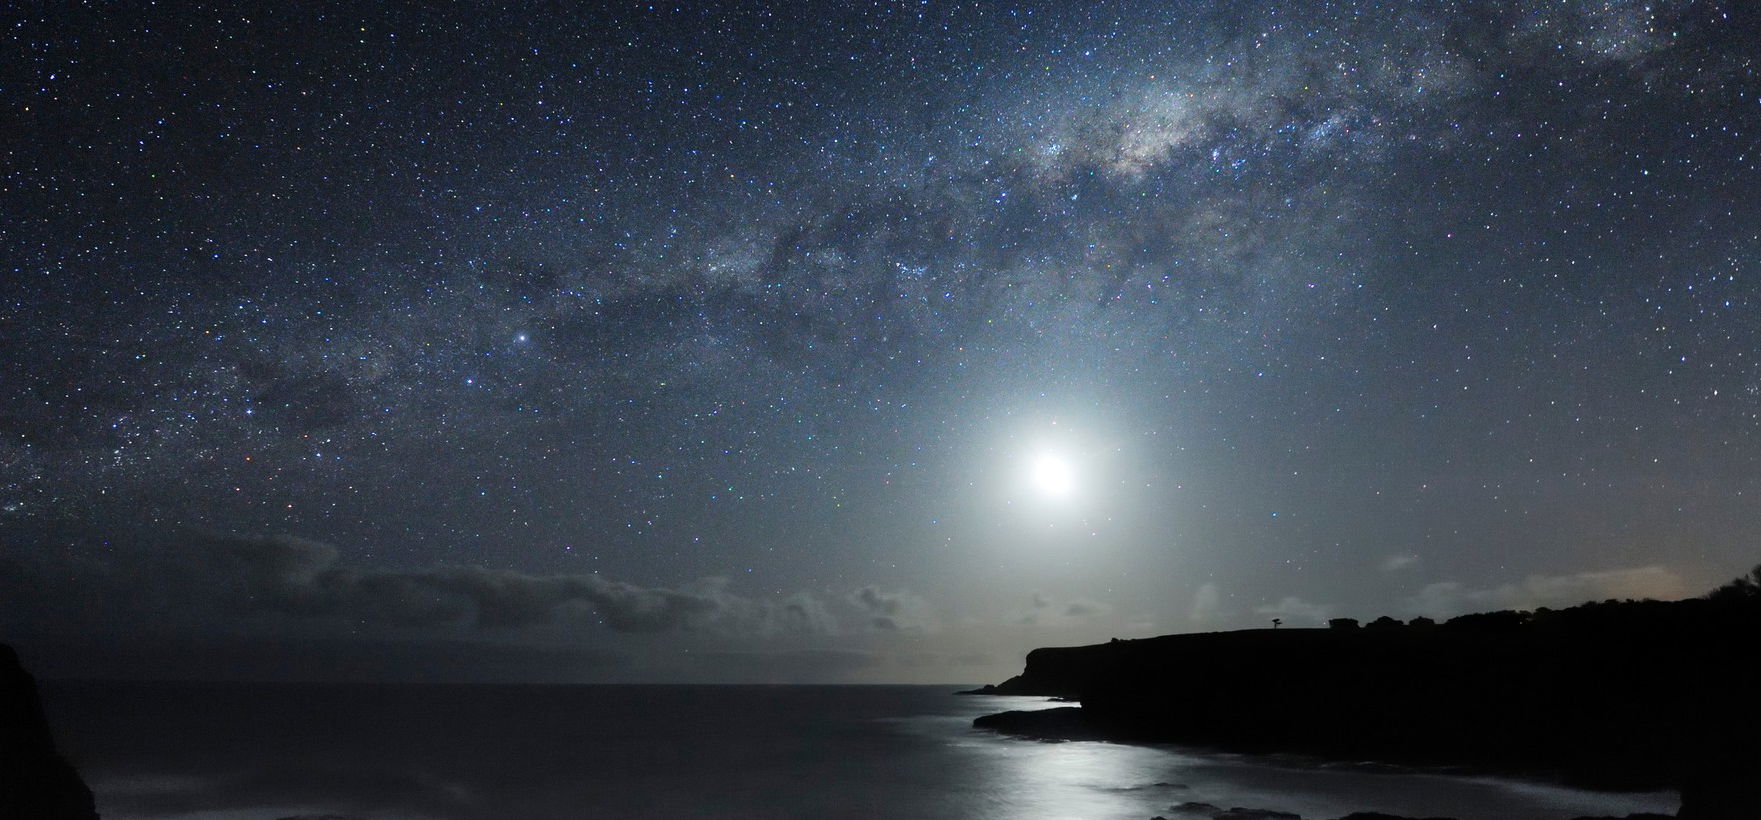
436, 657
892, 611
1399, 561
243, 578
1446, 598
1083, 609
1046, 611
1204, 604
1294, 608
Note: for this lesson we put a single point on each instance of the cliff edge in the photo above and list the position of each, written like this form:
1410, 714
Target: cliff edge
36, 783
1613, 695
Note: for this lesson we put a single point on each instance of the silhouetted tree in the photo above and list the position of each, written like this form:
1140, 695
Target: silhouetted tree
1503, 620
1743, 588
1421, 622
1276, 622
1384, 623
1342, 623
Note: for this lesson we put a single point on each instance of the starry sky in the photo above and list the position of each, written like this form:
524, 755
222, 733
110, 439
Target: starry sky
859, 342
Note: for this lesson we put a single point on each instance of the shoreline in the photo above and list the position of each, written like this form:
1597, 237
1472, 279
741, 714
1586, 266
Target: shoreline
1063, 724
1614, 696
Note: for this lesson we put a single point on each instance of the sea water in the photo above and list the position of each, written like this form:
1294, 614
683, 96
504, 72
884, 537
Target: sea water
409, 752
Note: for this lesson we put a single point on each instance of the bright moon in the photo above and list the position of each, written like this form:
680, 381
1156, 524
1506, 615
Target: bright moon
1052, 475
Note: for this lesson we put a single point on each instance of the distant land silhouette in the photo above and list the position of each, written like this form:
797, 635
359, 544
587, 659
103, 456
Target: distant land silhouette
1620, 695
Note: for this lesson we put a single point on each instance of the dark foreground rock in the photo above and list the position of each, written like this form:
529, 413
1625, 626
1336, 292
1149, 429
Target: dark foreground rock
1376, 815
35, 782
1640, 816
1206, 811
1060, 723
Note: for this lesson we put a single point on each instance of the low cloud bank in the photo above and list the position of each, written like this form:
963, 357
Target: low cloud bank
1044, 610
1399, 561
892, 611
221, 580
300, 577
1449, 598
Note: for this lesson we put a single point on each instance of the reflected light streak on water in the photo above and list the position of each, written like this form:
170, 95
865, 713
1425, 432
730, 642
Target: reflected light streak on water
1032, 779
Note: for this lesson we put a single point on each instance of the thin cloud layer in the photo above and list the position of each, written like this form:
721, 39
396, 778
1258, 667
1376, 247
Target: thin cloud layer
288, 577
1205, 604
1399, 561
1448, 598
1047, 611
892, 611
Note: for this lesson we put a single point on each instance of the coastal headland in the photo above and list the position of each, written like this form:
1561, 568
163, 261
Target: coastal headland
1619, 695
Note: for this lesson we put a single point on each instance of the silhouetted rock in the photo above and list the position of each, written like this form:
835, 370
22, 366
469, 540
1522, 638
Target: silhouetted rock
1194, 810
1050, 671
1616, 695
35, 782
1640, 816
1206, 811
1376, 815
1060, 723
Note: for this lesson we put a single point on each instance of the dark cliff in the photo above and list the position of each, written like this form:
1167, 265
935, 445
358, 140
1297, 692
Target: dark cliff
1612, 695
1063, 671
36, 783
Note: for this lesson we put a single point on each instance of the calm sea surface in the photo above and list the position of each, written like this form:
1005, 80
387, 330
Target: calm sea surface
537, 752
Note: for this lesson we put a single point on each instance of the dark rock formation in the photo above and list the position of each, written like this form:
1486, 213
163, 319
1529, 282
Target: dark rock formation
35, 782
1206, 811
1239, 813
1376, 815
1059, 723
1640, 816
1054, 671
1635, 695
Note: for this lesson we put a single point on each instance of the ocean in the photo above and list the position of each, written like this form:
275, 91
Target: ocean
439, 752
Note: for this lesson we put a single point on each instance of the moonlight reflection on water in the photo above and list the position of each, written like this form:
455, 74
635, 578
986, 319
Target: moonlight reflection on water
1109, 780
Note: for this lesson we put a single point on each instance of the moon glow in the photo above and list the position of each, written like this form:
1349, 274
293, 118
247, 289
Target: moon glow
1052, 475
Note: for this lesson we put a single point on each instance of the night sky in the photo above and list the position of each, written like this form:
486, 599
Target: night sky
838, 342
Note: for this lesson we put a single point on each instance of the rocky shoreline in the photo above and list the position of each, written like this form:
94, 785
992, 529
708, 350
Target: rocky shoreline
1206, 811
1621, 696
1068, 723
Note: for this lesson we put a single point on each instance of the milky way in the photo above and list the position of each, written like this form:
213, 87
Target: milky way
650, 330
